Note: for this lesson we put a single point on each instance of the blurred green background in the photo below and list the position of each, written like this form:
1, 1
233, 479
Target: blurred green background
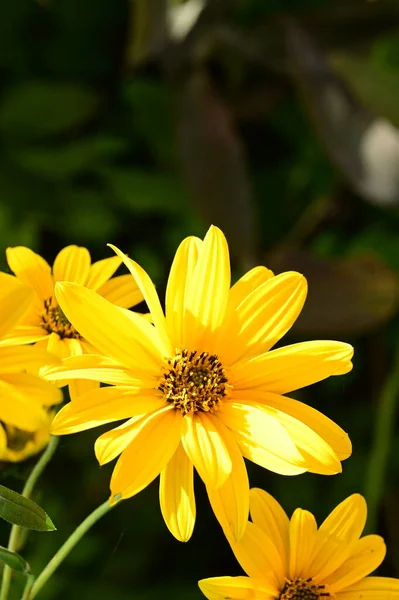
142, 122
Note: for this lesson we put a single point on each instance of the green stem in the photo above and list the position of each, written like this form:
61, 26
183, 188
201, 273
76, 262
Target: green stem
65, 549
27, 491
383, 435
28, 587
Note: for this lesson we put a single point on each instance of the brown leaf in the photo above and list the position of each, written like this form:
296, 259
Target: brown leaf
213, 165
350, 297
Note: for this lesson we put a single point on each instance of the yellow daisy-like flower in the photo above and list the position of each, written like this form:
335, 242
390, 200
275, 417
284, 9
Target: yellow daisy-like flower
17, 445
292, 559
200, 386
45, 322
25, 398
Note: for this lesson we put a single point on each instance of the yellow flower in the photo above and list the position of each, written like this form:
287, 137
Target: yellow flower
45, 322
25, 398
200, 386
17, 445
292, 559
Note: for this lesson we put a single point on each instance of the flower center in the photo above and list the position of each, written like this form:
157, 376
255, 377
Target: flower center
53, 320
194, 381
302, 589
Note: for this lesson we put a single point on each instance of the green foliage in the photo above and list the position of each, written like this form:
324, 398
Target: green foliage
14, 560
21, 511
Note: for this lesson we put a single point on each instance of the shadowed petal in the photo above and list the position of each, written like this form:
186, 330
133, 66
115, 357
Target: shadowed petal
206, 448
302, 531
267, 514
72, 264
156, 440
367, 555
372, 588
31, 269
101, 271
176, 495
236, 588
230, 501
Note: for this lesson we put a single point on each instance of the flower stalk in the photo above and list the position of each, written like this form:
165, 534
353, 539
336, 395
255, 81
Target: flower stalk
13, 543
66, 548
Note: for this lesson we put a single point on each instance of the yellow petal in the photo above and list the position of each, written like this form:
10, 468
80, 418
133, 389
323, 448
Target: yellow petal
176, 495
319, 456
259, 557
178, 284
57, 346
74, 346
122, 291
3, 443
108, 329
293, 367
230, 501
336, 536
264, 316
19, 410
367, 555
100, 406
15, 301
111, 443
206, 298
267, 514
101, 271
32, 386
247, 284
16, 359
256, 429
372, 588
72, 264
236, 588
23, 334
97, 368
302, 531
78, 387
346, 522
204, 443
156, 440
149, 292
322, 425
31, 269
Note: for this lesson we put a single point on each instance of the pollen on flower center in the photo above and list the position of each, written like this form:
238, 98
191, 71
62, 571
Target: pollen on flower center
194, 381
302, 589
53, 320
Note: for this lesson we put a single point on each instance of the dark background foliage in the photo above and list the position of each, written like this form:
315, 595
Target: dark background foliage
276, 120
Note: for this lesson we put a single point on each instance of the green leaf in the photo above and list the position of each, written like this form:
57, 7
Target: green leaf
14, 560
37, 109
54, 164
21, 511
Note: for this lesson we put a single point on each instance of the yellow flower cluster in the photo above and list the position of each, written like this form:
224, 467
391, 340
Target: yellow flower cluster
200, 385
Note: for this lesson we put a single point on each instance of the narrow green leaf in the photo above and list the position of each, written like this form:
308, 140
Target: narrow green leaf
21, 511
14, 560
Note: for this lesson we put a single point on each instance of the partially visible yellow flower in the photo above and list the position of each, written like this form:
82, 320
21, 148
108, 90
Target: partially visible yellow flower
17, 445
25, 398
45, 322
201, 387
292, 559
